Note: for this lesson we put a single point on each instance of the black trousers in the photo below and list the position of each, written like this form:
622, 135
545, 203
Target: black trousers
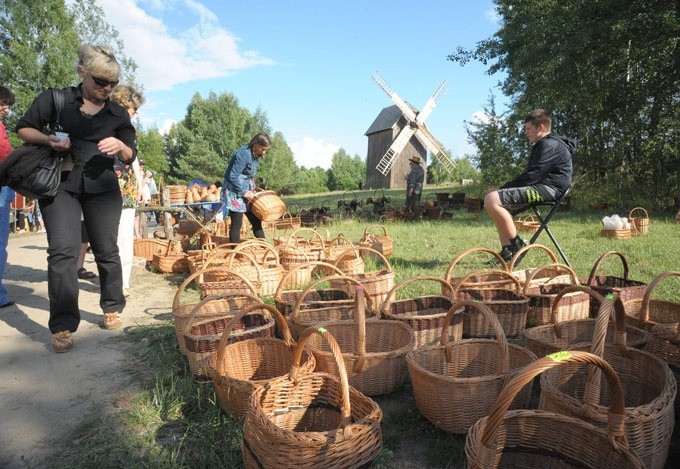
101, 213
237, 222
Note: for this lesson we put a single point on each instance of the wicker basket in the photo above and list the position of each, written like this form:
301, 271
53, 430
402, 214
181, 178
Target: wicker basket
640, 224
231, 261
374, 352
470, 259
527, 224
382, 243
227, 304
424, 314
649, 391
170, 262
293, 282
540, 439
626, 289
550, 338
244, 366
377, 283
298, 249
510, 306
288, 222
146, 248
625, 233
176, 194
202, 337
575, 305
315, 420
547, 276
456, 383
346, 258
310, 307
266, 205
267, 259
188, 227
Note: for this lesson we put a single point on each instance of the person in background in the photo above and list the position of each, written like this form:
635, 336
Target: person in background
239, 183
130, 224
414, 185
6, 194
547, 176
98, 131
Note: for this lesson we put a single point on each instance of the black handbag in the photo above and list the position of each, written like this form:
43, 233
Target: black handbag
34, 171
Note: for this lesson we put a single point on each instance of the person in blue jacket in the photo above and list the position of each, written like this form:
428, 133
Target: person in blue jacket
545, 180
239, 184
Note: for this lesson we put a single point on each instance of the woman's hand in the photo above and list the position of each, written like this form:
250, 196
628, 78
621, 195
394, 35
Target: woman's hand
111, 146
249, 195
59, 144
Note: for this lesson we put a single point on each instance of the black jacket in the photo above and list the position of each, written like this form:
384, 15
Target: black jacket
549, 164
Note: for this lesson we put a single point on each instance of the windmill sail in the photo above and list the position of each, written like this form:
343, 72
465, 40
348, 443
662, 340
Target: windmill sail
386, 162
430, 142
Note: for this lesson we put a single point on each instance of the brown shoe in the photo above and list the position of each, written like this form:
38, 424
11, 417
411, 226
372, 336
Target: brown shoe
62, 341
112, 321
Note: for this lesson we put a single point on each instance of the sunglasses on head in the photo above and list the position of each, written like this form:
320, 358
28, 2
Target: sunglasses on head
104, 83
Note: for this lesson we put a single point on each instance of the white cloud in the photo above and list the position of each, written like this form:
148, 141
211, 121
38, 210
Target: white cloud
203, 51
493, 16
165, 126
311, 153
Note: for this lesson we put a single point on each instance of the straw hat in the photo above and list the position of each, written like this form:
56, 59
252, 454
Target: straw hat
415, 159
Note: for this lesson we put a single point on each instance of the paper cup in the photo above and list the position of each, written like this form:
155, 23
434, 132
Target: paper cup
61, 135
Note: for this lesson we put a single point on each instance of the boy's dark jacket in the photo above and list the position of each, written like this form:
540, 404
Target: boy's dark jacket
550, 164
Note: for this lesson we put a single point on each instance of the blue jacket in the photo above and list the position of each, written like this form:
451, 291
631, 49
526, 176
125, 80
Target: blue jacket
241, 169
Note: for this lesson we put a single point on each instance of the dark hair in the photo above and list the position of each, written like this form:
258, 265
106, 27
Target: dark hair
6, 96
539, 117
261, 139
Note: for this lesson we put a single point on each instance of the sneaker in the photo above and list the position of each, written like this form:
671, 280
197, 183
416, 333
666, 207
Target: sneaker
62, 341
506, 254
43, 230
126, 292
112, 321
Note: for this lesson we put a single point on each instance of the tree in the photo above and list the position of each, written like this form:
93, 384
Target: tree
201, 145
346, 173
278, 168
38, 44
609, 72
311, 181
151, 148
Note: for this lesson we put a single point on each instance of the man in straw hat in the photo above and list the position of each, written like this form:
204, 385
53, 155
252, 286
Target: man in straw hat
414, 185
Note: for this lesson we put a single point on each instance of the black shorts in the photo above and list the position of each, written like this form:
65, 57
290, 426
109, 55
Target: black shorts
514, 196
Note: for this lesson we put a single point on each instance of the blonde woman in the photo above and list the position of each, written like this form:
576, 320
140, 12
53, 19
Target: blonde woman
98, 131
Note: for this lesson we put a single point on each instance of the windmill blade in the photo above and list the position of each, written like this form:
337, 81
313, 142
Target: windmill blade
397, 146
430, 142
396, 99
431, 103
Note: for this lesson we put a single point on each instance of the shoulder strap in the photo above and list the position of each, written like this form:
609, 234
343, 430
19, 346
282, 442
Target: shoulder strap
58, 97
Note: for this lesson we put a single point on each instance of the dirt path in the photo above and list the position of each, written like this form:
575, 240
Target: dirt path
44, 395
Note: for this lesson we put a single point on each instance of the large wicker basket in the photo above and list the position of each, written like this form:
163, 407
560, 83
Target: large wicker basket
546, 276
626, 289
315, 420
382, 243
146, 248
424, 314
374, 352
176, 194
649, 391
377, 283
510, 306
540, 439
575, 305
267, 258
227, 304
201, 336
475, 260
294, 281
550, 338
455, 383
241, 367
267, 206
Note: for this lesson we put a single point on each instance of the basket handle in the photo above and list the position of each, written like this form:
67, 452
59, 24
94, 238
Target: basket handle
195, 312
310, 287
644, 310
360, 320
537, 270
224, 340
382, 227
467, 252
384, 308
483, 273
562, 293
357, 250
513, 261
200, 273
315, 234
312, 264
630, 214
258, 243
616, 416
597, 265
345, 409
458, 309
229, 257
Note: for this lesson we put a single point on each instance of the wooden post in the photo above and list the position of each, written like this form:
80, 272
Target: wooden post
167, 216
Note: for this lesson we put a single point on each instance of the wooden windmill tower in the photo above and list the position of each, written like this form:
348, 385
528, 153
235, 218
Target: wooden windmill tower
398, 134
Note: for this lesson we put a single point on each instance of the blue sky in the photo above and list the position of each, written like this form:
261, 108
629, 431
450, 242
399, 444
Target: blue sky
308, 64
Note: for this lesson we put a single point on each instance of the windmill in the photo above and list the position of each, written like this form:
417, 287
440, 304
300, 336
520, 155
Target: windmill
415, 126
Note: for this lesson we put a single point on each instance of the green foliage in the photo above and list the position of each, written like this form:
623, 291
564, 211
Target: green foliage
609, 72
201, 145
151, 148
436, 174
346, 173
310, 181
278, 168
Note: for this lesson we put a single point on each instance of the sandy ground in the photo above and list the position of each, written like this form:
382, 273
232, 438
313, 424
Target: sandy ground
44, 395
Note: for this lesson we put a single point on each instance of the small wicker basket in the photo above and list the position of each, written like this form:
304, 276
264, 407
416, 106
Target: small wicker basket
639, 222
176, 194
625, 233
267, 206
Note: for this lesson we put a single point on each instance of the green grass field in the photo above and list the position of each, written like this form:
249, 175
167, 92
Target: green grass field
174, 422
